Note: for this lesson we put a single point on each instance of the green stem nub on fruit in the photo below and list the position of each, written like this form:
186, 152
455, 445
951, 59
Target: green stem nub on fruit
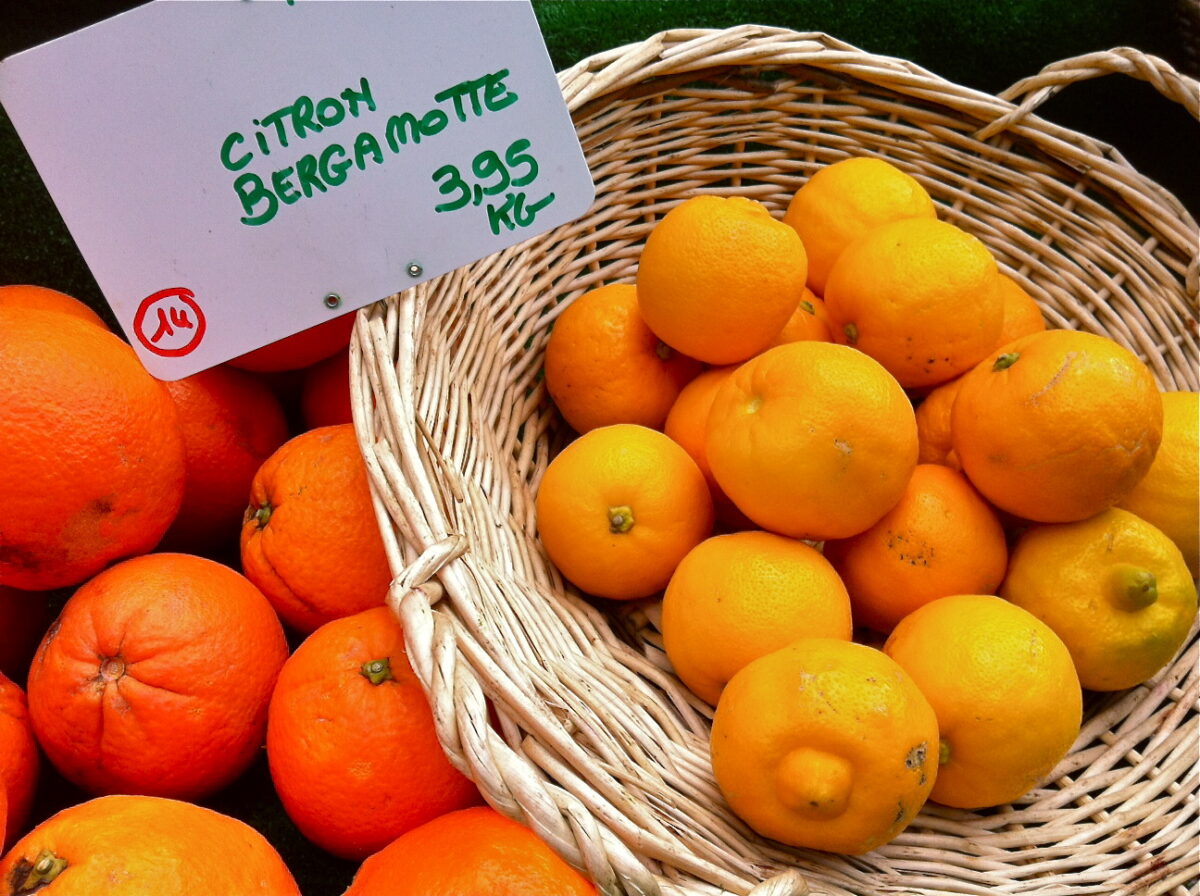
260, 514
29, 877
808, 306
1133, 588
943, 753
851, 331
664, 351
1005, 361
620, 519
377, 671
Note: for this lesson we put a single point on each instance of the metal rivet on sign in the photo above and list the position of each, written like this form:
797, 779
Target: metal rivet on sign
333, 300
415, 270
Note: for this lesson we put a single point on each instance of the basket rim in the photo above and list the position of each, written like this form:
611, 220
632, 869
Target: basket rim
687, 50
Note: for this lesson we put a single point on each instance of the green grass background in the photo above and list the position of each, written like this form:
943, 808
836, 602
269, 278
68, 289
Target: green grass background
985, 44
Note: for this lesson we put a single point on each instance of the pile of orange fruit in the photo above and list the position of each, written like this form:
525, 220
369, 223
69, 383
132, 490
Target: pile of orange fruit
893, 524
192, 575
892, 527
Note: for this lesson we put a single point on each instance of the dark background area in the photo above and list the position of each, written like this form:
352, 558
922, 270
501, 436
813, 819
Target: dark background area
983, 44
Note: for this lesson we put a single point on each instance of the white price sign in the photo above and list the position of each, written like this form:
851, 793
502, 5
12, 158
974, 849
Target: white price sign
235, 171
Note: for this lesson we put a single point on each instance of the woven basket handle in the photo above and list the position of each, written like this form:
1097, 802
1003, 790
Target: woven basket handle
1031, 92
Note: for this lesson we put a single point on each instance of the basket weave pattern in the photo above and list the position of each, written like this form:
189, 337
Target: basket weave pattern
591, 740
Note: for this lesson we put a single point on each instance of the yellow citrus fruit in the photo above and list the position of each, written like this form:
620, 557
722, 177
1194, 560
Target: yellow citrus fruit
604, 366
812, 440
810, 320
736, 597
1167, 495
920, 296
1114, 588
719, 277
687, 424
619, 507
845, 199
1057, 426
941, 538
933, 425
825, 744
1022, 314
1002, 684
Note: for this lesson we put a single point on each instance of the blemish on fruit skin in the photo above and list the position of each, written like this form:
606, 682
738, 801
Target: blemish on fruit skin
916, 756
51, 633
843, 446
1068, 359
18, 557
1036, 647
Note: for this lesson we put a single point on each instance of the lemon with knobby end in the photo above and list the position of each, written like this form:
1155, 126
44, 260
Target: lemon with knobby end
1114, 587
825, 744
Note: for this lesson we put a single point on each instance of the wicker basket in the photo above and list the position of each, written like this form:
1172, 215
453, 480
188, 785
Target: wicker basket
589, 738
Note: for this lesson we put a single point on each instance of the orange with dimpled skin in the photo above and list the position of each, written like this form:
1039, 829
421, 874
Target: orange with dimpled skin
941, 538
1058, 425
351, 741
921, 296
301, 349
719, 277
736, 597
325, 392
687, 423
1002, 684
843, 200
605, 366
93, 467
310, 538
810, 320
812, 440
933, 425
231, 422
126, 845
471, 852
619, 507
20, 761
1166, 495
1022, 314
155, 678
